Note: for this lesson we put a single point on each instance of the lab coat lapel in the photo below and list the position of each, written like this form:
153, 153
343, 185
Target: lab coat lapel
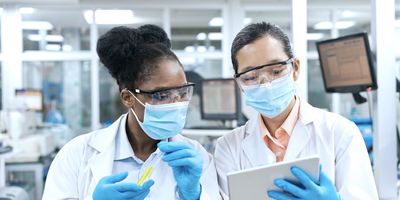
254, 147
297, 141
101, 164
300, 135
104, 142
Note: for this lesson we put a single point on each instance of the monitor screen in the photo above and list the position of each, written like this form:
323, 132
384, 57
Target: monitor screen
219, 99
31, 99
346, 64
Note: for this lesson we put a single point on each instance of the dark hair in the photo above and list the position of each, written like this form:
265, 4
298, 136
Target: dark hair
255, 31
132, 54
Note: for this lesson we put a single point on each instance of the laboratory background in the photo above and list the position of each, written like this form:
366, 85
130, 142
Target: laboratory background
53, 87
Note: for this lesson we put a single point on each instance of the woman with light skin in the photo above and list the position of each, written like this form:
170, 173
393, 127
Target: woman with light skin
287, 127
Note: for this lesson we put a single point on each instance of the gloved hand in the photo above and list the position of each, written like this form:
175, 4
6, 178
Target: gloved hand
308, 189
187, 166
110, 187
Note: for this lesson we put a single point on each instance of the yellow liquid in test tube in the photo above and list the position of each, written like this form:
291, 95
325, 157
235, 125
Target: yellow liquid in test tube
146, 174
148, 171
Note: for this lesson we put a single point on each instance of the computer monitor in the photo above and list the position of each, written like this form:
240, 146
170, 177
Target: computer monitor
30, 98
346, 64
220, 99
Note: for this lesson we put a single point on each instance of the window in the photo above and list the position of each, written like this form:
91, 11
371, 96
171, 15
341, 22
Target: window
55, 30
65, 84
198, 34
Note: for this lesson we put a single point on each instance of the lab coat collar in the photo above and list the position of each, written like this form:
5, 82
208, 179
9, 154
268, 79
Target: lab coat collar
253, 146
298, 140
104, 138
103, 141
123, 149
307, 113
301, 135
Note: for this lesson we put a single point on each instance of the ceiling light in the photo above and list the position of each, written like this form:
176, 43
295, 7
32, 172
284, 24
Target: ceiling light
201, 36
26, 10
247, 20
215, 36
348, 14
189, 49
67, 47
216, 21
314, 36
187, 60
36, 25
110, 16
201, 49
325, 25
52, 47
48, 38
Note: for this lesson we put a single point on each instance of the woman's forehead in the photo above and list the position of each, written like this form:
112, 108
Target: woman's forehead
168, 73
260, 52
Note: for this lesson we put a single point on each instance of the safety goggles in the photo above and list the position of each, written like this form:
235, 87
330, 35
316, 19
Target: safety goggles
264, 73
167, 95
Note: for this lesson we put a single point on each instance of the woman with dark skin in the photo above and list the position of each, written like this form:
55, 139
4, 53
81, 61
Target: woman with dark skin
109, 163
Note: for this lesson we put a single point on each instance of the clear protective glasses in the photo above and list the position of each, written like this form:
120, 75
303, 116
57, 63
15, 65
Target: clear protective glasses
167, 95
264, 73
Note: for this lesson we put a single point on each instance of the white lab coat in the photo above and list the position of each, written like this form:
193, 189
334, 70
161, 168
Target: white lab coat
336, 140
82, 162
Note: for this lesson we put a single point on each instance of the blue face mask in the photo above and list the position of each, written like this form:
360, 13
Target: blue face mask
163, 121
270, 99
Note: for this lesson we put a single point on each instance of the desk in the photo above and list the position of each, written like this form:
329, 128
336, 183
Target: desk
36, 168
3, 157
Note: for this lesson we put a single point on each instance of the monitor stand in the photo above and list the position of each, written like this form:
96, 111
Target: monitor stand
358, 98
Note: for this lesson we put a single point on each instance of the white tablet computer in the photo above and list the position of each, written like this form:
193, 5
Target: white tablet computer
255, 182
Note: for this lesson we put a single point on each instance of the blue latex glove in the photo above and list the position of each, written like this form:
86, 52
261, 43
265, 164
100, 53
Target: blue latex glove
308, 189
110, 187
187, 166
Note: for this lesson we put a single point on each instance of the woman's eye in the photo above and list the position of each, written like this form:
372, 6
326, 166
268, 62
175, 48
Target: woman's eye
183, 95
164, 96
161, 96
276, 72
249, 78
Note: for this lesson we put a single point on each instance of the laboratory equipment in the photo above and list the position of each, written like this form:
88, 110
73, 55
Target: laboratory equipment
18, 124
13, 193
27, 167
30, 99
34, 146
147, 172
220, 99
346, 64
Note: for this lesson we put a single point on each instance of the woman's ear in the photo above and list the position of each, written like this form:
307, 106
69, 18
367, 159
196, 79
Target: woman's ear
127, 98
296, 69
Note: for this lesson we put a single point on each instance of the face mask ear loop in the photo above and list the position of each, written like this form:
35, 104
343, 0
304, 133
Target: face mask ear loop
137, 118
134, 114
135, 97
